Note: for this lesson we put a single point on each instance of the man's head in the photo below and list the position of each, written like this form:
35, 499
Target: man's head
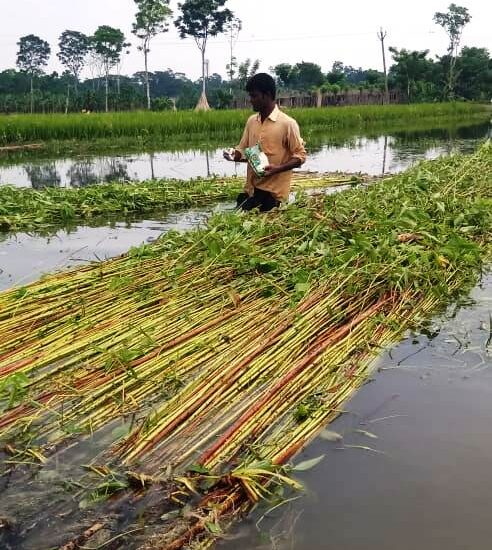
262, 91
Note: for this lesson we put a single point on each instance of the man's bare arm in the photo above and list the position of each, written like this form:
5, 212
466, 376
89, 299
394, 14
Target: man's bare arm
271, 169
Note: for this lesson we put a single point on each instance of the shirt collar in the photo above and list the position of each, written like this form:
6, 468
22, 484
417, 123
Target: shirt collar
273, 116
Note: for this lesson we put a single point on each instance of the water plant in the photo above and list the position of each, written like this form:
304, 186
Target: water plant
26, 209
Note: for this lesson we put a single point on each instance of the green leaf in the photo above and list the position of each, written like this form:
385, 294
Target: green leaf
198, 469
119, 432
302, 287
86, 503
213, 528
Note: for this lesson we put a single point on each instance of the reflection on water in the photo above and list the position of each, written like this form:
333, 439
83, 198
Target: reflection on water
43, 175
88, 171
371, 154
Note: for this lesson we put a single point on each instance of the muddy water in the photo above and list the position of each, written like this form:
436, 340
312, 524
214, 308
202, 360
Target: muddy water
392, 152
24, 258
413, 467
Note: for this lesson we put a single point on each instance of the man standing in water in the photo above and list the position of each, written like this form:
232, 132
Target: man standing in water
279, 138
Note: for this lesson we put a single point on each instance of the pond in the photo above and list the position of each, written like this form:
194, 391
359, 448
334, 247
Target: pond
372, 154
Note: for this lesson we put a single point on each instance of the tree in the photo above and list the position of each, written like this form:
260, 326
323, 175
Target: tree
32, 56
202, 19
308, 75
474, 74
337, 74
73, 49
301, 76
410, 71
108, 44
453, 22
246, 70
283, 72
151, 19
233, 28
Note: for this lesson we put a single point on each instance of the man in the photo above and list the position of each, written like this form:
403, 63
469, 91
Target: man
279, 138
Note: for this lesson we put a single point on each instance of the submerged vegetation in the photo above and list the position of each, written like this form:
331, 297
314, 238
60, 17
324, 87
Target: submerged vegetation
211, 357
148, 126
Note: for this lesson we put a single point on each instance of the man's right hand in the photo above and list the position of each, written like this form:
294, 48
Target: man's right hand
233, 155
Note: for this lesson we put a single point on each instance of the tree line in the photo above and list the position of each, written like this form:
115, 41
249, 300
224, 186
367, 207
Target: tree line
461, 73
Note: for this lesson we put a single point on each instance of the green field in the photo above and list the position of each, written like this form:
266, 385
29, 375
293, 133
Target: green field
145, 127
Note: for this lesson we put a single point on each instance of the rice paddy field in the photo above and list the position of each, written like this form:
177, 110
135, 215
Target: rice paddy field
151, 400
144, 127
190, 378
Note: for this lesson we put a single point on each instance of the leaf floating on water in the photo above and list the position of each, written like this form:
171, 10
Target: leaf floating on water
119, 432
367, 434
307, 464
329, 435
364, 448
85, 503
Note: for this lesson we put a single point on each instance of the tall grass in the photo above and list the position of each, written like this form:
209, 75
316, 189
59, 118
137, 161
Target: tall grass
142, 125
445, 127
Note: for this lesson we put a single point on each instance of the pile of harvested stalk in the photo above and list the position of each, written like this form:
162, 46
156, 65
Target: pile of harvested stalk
211, 357
24, 209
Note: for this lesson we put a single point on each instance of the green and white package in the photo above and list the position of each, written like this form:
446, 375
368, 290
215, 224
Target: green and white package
257, 159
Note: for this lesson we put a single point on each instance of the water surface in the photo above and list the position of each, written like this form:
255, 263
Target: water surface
390, 152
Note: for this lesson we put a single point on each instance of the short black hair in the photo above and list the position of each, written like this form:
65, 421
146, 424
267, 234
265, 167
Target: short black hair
263, 83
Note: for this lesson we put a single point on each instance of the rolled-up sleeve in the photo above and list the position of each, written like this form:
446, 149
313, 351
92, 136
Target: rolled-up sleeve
295, 143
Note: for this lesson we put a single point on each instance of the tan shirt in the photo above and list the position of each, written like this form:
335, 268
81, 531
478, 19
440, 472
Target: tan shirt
280, 140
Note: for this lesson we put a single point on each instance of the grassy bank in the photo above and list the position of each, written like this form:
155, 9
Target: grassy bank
144, 126
215, 355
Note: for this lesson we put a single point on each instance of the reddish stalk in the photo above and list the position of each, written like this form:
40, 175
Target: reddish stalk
310, 356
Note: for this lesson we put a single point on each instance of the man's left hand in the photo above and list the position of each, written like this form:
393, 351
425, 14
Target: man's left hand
271, 170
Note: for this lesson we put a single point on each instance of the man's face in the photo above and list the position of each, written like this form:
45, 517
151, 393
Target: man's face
257, 99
